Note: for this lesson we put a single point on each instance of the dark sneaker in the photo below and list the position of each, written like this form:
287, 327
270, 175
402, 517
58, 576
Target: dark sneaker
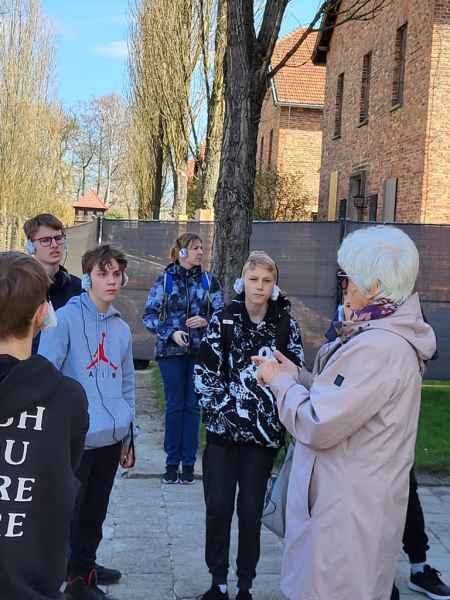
214, 593
171, 474
395, 593
244, 595
106, 576
187, 476
84, 588
429, 583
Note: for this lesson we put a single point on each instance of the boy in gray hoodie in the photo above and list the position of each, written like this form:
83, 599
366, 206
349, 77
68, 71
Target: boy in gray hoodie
92, 344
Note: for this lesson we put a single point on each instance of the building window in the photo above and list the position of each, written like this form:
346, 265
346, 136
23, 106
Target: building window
357, 196
261, 154
399, 65
390, 200
343, 208
365, 89
373, 207
269, 160
339, 104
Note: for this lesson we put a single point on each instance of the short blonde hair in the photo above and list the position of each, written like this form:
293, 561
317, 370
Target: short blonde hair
259, 258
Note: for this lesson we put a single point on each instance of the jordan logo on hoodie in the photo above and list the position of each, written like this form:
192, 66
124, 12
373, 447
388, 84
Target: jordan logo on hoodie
101, 357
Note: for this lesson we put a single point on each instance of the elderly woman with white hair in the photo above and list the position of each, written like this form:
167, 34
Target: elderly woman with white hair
355, 428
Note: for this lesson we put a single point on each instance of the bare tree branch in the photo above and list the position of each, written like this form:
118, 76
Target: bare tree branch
204, 49
270, 27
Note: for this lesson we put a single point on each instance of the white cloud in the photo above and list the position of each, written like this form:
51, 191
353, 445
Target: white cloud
115, 50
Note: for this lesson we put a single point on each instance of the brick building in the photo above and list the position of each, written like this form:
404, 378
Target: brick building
290, 137
88, 207
386, 122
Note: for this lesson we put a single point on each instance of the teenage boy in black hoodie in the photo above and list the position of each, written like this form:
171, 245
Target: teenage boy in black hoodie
46, 241
243, 431
41, 440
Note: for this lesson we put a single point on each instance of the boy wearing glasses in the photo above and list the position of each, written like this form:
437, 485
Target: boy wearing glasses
46, 241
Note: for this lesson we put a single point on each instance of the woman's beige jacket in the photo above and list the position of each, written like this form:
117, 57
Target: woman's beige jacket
356, 431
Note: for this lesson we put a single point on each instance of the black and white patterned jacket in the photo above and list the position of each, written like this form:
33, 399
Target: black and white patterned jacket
235, 407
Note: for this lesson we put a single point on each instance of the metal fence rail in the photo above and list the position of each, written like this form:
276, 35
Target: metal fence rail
306, 255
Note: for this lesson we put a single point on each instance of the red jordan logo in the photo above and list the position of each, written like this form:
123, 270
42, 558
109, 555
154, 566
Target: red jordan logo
100, 356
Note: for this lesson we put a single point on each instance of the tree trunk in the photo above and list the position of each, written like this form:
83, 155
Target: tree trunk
9, 235
159, 164
233, 202
179, 176
181, 189
246, 69
108, 179
142, 205
3, 225
214, 134
99, 166
83, 180
15, 233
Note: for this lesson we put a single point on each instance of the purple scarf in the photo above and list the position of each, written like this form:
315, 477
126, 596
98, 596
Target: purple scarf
379, 309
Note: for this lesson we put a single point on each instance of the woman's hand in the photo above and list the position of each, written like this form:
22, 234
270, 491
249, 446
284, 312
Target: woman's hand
181, 338
126, 456
196, 322
268, 368
287, 366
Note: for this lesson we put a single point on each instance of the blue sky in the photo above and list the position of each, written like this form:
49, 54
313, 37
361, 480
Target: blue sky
91, 44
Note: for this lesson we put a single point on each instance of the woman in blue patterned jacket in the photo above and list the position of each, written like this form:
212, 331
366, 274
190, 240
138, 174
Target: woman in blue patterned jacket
178, 308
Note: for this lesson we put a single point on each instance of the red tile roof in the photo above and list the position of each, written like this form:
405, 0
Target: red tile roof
90, 200
299, 81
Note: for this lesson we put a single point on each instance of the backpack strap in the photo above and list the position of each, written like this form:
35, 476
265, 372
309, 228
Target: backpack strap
282, 331
226, 337
206, 285
167, 290
282, 337
206, 280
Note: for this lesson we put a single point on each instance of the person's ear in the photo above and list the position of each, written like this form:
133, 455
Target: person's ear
373, 289
39, 317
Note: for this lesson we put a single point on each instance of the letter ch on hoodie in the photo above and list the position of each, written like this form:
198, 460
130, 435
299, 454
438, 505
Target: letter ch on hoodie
43, 422
95, 349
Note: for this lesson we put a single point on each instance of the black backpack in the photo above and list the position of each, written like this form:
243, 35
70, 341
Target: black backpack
282, 333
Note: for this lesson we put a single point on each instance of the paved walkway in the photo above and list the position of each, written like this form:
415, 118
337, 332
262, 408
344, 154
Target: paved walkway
154, 533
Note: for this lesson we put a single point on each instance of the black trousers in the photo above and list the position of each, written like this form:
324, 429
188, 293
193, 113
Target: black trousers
415, 540
226, 467
96, 474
